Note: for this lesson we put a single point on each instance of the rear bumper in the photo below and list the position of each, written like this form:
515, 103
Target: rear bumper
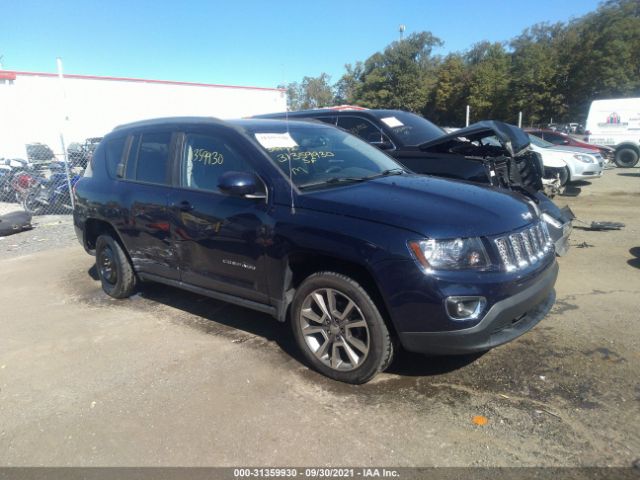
505, 321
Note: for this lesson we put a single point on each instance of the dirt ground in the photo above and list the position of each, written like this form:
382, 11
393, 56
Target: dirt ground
171, 378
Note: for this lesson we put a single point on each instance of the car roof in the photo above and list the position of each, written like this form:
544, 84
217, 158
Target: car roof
212, 121
329, 112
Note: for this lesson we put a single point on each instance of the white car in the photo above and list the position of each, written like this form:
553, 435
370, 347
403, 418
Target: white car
570, 163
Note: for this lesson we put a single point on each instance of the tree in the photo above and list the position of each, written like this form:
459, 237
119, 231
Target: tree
312, 92
489, 80
602, 53
448, 97
397, 77
347, 88
537, 73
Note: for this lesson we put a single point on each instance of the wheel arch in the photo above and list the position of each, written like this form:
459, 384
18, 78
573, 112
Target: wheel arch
301, 265
633, 146
94, 227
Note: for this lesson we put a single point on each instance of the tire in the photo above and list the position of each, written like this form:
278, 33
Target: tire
31, 204
114, 268
565, 176
626, 157
351, 354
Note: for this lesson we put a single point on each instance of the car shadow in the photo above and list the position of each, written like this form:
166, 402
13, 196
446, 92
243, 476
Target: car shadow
579, 183
217, 314
634, 262
214, 316
630, 174
411, 364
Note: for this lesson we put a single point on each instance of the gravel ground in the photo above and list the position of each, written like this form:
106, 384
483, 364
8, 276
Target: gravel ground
49, 231
169, 378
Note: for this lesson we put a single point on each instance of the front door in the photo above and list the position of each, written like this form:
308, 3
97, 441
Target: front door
219, 238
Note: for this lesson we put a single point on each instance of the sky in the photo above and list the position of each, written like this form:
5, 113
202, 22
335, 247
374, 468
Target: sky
247, 42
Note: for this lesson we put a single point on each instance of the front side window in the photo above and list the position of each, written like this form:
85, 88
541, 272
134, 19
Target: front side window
153, 157
314, 154
362, 128
206, 157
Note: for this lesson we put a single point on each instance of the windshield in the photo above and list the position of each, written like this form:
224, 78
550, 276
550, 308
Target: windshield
538, 142
408, 128
314, 155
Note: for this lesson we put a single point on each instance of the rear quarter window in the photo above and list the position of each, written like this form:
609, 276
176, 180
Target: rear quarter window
113, 155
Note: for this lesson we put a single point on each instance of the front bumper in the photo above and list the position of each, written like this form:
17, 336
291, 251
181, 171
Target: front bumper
505, 321
585, 171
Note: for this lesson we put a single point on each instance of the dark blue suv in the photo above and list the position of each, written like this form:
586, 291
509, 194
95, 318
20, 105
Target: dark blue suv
309, 223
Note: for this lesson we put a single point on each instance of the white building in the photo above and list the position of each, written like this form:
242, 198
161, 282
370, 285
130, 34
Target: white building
36, 107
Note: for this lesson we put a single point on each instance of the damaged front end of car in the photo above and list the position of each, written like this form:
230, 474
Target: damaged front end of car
509, 163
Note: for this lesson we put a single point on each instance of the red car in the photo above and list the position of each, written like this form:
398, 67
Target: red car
558, 138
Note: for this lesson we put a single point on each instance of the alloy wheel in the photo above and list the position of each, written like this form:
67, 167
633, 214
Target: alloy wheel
334, 329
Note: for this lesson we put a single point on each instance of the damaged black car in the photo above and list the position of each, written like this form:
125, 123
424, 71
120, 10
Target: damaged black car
489, 152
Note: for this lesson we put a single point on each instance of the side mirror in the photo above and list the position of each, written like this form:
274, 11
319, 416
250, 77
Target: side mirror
240, 184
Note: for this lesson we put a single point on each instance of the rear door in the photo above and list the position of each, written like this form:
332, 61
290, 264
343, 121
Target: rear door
220, 239
145, 191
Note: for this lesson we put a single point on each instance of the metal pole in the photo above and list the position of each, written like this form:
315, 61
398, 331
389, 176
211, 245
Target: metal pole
468, 115
519, 119
62, 142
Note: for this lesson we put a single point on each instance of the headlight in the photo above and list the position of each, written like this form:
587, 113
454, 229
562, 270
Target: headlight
584, 158
456, 254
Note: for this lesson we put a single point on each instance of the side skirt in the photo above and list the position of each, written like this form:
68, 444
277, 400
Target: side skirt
260, 307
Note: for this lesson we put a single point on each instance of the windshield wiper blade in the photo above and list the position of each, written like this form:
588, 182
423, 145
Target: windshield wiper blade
336, 180
333, 181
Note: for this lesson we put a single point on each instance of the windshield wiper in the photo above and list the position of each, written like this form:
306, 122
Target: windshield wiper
338, 180
333, 181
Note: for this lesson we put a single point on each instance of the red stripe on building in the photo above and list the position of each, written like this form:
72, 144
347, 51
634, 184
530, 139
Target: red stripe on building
11, 75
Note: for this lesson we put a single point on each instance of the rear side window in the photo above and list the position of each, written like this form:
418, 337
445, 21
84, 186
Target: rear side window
206, 158
153, 157
113, 153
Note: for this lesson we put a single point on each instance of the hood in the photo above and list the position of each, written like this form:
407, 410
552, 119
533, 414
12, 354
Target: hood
512, 138
432, 207
572, 149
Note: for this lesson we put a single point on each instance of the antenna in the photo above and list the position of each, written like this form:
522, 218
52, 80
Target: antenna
286, 119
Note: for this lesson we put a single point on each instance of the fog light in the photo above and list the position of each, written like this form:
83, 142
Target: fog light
465, 308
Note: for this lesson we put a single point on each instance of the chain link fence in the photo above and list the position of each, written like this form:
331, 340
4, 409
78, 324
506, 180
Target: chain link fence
36, 194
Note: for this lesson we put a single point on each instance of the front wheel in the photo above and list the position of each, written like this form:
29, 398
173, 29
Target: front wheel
564, 176
339, 328
626, 157
114, 268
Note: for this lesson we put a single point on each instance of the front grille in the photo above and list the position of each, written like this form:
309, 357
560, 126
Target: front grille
527, 247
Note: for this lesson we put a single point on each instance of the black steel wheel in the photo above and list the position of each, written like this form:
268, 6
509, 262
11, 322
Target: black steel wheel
114, 268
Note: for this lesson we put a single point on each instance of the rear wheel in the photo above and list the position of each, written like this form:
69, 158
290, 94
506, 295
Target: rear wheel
114, 268
626, 157
339, 328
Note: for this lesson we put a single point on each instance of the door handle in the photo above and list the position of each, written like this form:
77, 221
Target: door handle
185, 206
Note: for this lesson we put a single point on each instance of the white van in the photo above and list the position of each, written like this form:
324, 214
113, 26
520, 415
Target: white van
616, 123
